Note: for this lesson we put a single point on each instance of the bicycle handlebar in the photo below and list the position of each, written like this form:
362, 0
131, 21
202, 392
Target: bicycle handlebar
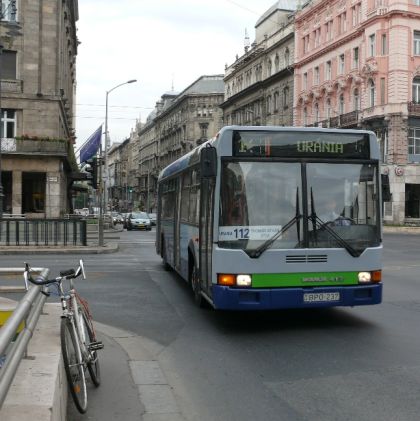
42, 278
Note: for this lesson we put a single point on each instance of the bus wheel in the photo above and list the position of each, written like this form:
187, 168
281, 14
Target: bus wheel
196, 287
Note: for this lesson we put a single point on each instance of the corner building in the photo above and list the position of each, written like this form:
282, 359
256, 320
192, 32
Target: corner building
357, 65
37, 90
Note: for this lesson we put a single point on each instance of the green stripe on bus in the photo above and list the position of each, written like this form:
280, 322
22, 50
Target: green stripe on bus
304, 279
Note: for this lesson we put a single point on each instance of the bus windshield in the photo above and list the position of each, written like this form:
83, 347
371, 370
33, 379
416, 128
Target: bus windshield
336, 204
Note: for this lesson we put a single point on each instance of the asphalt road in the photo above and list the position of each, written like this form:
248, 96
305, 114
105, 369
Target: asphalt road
339, 364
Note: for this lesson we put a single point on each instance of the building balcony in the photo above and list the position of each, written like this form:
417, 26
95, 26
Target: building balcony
349, 119
413, 108
34, 146
13, 86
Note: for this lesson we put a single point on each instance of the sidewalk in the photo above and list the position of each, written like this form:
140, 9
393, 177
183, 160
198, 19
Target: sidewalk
134, 386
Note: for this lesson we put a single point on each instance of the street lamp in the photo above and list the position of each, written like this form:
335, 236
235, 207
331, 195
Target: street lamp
104, 196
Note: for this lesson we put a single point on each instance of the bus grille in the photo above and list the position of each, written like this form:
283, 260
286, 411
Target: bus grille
311, 258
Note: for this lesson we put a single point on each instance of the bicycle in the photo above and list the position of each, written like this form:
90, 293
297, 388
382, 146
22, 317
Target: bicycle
78, 341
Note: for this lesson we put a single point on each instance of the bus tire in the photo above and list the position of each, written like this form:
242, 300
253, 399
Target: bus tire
196, 287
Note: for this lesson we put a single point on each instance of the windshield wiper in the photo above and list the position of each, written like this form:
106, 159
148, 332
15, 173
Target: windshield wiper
264, 246
255, 253
340, 240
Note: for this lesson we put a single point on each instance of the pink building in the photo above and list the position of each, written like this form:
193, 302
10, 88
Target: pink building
357, 64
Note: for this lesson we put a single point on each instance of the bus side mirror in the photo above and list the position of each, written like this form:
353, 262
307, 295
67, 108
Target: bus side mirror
208, 162
386, 191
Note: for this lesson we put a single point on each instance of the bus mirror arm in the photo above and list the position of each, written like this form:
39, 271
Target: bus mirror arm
208, 162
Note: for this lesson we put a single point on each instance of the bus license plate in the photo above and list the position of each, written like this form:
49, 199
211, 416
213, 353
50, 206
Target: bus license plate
319, 297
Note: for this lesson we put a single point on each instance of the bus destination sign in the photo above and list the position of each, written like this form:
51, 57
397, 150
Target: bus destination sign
295, 144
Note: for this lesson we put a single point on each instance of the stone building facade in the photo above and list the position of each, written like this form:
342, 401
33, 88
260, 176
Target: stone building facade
178, 124
37, 81
259, 84
357, 64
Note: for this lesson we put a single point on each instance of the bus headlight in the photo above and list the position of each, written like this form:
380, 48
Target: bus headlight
364, 277
243, 280
232, 280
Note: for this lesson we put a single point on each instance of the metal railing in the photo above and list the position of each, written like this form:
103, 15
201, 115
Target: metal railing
12, 347
42, 232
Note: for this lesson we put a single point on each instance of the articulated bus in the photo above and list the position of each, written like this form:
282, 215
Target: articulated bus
275, 217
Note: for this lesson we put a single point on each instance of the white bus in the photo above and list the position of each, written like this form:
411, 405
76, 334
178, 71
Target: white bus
275, 217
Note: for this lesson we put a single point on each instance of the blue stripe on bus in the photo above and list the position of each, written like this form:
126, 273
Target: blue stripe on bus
227, 298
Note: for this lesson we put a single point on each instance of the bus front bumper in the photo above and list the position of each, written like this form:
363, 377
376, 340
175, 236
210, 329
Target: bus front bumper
227, 298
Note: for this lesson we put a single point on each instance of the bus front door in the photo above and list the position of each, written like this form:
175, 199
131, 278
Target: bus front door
206, 232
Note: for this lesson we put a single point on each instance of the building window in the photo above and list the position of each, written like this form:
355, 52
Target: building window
9, 10
341, 64
305, 81
372, 48
416, 43
305, 116
277, 63
356, 100
7, 124
328, 70
286, 97
329, 30
269, 68
371, 91
203, 130
356, 12
384, 46
382, 90
414, 141
416, 90
356, 58
341, 104
316, 113
328, 108
342, 23
316, 75
269, 104
417, 2
287, 57
276, 101
8, 65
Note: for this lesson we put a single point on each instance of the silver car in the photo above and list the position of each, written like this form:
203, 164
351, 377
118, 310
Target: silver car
139, 221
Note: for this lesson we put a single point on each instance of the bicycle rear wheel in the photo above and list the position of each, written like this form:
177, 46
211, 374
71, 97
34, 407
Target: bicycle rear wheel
73, 365
93, 366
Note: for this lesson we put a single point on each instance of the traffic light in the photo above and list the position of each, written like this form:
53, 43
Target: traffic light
92, 170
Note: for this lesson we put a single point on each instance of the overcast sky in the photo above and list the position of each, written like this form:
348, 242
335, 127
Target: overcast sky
157, 42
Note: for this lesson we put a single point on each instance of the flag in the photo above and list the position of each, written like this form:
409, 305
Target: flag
91, 146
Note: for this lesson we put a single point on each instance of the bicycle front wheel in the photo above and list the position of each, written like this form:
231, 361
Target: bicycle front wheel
73, 364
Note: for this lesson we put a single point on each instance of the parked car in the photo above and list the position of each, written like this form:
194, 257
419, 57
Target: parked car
138, 220
152, 217
117, 218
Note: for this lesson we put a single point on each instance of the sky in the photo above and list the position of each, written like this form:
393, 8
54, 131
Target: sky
163, 44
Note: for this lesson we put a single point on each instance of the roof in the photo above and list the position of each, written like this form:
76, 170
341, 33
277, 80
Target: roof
205, 85
283, 5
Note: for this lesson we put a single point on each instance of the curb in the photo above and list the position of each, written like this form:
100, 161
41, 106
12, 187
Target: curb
401, 230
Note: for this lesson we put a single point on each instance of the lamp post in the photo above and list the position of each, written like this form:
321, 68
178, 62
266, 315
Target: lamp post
104, 199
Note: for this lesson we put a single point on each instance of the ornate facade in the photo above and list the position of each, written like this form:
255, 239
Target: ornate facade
357, 66
259, 84
178, 124
37, 81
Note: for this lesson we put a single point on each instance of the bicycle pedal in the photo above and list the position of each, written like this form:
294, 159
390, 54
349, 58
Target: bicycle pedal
95, 346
